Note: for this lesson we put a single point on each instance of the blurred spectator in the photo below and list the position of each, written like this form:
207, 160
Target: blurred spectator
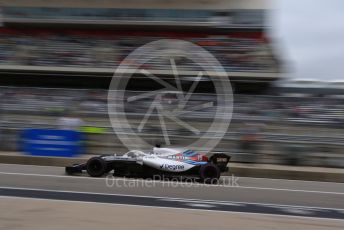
249, 138
70, 122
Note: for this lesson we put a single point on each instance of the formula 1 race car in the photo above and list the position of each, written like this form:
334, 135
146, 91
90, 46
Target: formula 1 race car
164, 162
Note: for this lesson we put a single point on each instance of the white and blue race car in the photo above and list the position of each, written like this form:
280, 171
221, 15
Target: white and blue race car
165, 162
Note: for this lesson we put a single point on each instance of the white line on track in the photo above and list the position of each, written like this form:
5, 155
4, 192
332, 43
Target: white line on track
254, 178
290, 190
291, 180
174, 183
227, 203
169, 198
174, 208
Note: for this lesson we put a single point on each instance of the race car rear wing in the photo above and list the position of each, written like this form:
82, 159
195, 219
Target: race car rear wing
221, 160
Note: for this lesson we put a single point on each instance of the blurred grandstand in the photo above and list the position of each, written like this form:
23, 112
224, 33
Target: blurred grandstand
91, 38
58, 56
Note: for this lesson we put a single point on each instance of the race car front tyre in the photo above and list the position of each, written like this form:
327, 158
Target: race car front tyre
209, 173
96, 167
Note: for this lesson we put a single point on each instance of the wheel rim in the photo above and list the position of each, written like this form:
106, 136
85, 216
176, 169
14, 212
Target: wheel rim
95, 166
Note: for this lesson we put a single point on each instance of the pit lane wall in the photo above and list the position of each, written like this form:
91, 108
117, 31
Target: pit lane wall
34, 142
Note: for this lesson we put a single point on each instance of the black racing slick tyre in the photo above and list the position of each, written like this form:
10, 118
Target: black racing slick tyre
96, 167
209, 173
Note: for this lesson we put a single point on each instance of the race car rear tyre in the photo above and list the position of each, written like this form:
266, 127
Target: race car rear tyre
209, 173
96, 167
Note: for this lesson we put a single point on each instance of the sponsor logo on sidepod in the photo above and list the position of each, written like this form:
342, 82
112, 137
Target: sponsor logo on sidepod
172, 167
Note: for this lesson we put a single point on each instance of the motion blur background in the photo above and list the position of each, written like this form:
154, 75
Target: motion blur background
57, 59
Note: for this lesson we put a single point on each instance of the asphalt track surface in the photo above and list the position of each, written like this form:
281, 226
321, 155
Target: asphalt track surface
305, 199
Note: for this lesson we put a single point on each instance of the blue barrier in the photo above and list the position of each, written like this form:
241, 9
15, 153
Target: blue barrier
50, 142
